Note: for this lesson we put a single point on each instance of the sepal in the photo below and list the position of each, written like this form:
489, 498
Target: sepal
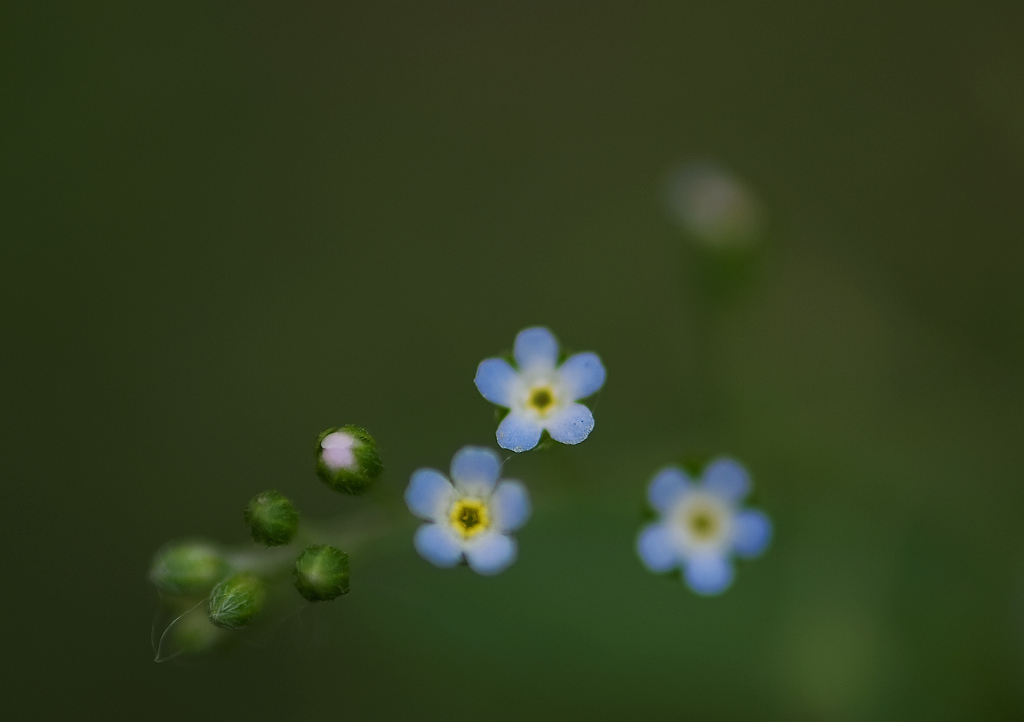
237, 600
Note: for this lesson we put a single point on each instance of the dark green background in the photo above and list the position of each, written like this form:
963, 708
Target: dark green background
228, 226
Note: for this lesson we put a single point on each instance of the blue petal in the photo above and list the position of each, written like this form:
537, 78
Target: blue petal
753, 531
536, 348
709, 574
656, 550
491, 553
518, 433
727, 478
571, 425
583, 375
511, 505
428, 494
495, 378
437, 545
666, 487
475, 469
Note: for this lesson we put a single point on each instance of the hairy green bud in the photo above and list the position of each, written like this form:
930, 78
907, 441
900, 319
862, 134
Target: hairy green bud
321, 573
236, 600
272, 519
187, 567
347, 459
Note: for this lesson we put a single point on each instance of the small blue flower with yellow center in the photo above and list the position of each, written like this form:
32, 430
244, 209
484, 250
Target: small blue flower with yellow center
541, 395
701, 525
471, 516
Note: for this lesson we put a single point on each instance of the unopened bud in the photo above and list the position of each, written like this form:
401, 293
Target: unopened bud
272, 519
194, 634
714, 207
347, 459
235, 601
187, 567
321, 573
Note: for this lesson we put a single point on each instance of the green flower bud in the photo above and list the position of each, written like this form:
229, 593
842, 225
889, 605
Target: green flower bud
236, 600
347, 460
272, 519
321, 573
187, 567
194, 634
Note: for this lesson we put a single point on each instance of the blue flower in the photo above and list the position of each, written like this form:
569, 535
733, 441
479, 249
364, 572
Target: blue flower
541, 395
702, 526
471, 516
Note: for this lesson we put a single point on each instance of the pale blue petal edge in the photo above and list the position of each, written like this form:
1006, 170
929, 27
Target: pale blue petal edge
518, 433
437, 545
495, 379
491, 554
428, 493
708, 575
753, 532
583, 375
727, 478
571, 425
536, 347
654, 545
476, 468
511, 505
666, 487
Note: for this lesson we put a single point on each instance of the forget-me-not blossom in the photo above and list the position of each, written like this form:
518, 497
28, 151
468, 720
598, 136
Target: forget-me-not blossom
701, 525
541, 395
471, 516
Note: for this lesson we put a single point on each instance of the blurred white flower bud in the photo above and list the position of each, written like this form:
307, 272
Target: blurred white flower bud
714, 206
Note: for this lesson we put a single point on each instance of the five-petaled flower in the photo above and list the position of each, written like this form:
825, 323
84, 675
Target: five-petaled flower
541, 395
701, 525
470, 516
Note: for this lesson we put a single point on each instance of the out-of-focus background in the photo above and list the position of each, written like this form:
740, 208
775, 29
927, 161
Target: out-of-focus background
229, 226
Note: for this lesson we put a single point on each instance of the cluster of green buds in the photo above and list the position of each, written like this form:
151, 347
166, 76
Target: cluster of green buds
234, 585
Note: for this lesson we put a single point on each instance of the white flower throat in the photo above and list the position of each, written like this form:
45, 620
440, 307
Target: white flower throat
541, 399
702, 521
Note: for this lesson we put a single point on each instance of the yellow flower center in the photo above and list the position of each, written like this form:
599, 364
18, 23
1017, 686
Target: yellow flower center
542, 399
704, 523
469, 517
